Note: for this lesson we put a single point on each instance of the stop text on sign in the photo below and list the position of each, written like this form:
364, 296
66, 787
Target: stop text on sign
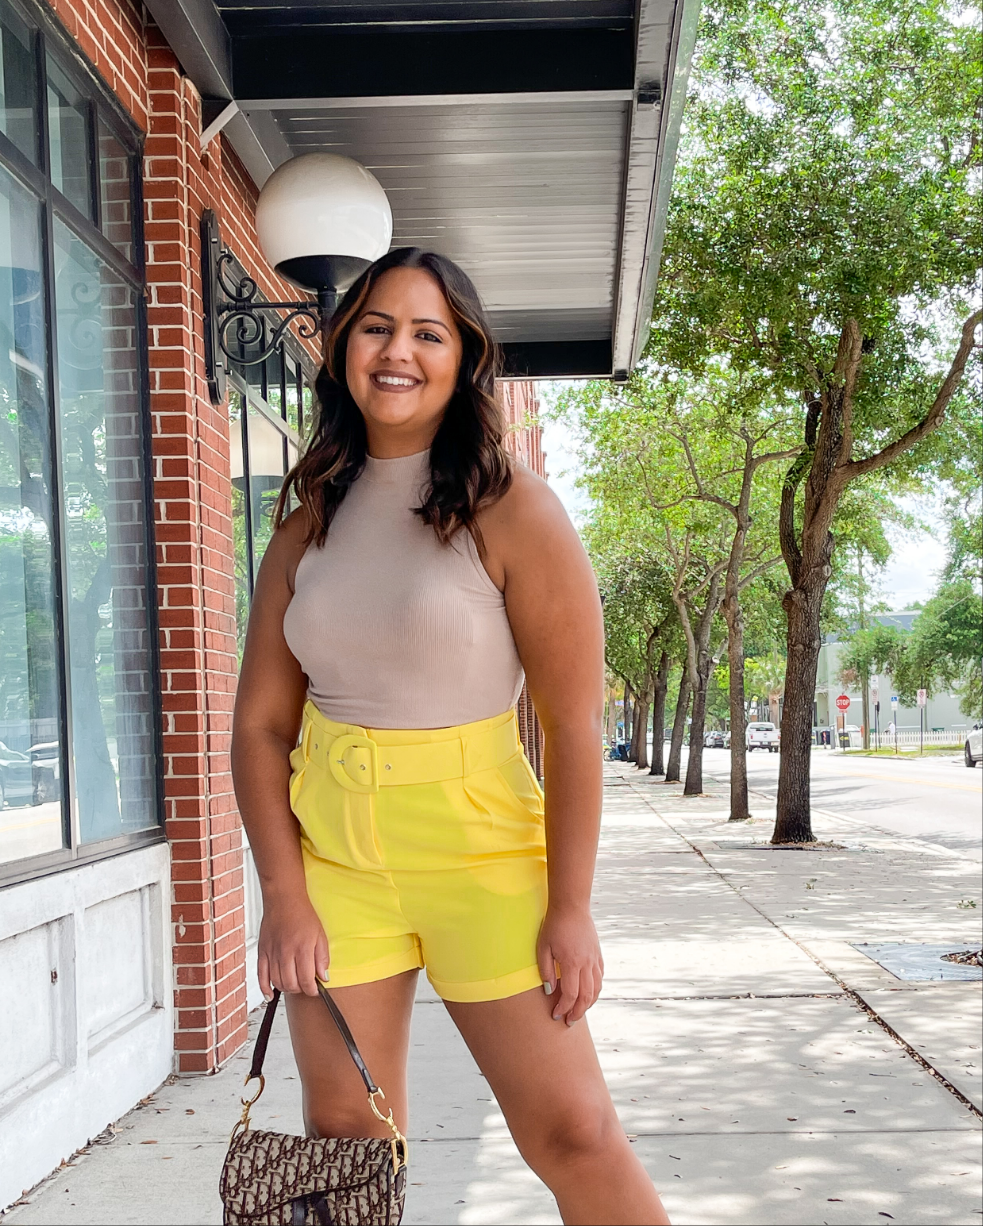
843, 702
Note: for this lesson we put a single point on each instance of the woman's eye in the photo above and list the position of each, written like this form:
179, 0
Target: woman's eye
379, 329
430, 336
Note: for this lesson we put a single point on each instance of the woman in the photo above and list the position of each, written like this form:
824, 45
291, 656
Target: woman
419, 576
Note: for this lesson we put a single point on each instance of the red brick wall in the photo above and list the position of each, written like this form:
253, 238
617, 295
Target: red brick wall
190, 443
525, 436
195, 558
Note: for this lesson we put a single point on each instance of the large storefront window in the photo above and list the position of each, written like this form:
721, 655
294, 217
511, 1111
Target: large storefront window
78, 679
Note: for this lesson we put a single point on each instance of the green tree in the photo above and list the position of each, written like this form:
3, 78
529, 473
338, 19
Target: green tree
945, 648
824, 220
689, 467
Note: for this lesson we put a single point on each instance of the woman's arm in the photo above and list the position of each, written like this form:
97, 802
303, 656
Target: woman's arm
534, 554
269, 706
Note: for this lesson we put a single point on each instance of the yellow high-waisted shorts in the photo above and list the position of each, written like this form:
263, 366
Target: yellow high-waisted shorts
423, 849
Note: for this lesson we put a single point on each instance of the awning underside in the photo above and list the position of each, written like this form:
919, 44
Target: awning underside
525, 139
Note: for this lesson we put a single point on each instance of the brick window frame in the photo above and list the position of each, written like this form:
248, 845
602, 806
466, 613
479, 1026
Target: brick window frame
51, 44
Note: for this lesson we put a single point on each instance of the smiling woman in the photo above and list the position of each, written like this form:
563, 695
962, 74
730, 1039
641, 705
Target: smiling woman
395, 821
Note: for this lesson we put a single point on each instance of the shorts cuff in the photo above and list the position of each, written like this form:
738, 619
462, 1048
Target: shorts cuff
372, 972
488, 989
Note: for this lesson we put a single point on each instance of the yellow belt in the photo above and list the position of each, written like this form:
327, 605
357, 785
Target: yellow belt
361, 761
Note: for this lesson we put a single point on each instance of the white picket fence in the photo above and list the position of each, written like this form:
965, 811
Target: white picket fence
911, 736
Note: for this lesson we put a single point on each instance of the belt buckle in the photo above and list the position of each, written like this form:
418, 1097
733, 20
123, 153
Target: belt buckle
343, 763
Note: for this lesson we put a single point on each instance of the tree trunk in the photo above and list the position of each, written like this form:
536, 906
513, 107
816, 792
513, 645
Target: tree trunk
659, 716
739, 807
802, 606
694, 764
637, 730
612, 723
642, 707
627, 716
699, 665
827, 467
678, 729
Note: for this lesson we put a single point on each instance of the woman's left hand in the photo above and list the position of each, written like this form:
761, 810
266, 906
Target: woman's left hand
568, 941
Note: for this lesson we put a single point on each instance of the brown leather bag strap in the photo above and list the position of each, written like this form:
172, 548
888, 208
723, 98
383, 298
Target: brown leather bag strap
263, 1038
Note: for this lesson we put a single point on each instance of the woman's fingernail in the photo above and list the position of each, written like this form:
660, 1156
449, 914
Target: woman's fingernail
548, 989
557, 1017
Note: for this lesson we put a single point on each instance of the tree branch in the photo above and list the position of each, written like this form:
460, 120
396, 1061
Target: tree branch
757, 571
933, 418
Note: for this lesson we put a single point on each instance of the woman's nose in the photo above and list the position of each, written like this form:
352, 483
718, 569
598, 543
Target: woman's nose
398, 347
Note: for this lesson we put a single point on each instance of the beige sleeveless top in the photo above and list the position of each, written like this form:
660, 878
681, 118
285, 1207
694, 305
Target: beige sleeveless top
393, 629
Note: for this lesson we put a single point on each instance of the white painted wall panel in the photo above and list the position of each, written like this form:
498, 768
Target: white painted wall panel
35, 1040
115, 979
77, 1051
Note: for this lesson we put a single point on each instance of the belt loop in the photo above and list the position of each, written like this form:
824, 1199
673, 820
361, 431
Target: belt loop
306, 736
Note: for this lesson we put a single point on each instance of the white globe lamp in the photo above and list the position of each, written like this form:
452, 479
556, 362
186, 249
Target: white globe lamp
321, 220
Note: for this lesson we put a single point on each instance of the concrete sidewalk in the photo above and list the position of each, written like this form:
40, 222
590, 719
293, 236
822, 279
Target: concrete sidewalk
767, 1070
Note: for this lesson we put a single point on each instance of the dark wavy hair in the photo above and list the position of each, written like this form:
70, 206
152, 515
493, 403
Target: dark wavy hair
469, 467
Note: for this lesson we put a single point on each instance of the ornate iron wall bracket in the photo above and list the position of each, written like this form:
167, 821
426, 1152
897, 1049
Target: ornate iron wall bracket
236, 328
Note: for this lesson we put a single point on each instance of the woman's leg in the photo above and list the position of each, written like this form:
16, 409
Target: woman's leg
378, 1015
548, 1083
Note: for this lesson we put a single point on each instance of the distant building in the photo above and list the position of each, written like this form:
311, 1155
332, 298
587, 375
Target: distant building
942, 713
524, 438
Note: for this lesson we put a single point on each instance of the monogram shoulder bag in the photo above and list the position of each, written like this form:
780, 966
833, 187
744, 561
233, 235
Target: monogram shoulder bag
270, 1179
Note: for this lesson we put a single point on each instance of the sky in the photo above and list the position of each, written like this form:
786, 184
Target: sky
909, 576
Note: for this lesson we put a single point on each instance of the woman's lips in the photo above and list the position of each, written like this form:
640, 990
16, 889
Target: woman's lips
395, 383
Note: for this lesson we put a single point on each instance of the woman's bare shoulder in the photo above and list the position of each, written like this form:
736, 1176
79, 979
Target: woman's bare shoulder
528, 504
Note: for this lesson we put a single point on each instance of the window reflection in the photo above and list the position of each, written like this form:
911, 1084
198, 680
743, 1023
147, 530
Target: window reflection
257, 477
18, 88
267, 466
100, 423
69, 121
30, 758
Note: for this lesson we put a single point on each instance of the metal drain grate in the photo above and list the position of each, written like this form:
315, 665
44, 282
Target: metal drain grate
907, 960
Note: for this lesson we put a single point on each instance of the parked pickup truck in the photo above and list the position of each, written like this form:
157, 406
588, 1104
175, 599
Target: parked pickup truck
762, 736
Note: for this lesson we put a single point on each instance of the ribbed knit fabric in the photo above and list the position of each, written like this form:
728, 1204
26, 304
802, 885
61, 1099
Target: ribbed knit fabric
393, 629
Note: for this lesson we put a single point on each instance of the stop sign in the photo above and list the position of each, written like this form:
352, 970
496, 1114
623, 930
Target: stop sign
843, 703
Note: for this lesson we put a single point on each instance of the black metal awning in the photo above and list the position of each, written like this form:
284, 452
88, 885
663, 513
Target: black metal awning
532, 141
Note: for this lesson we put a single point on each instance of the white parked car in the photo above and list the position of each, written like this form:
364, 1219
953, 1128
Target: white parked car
973, 751
763, 735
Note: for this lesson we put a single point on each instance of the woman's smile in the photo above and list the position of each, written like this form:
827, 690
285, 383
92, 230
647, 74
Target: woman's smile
390, 382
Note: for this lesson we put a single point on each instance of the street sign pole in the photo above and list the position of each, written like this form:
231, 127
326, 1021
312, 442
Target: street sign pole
922, 699
894, 719
875, 693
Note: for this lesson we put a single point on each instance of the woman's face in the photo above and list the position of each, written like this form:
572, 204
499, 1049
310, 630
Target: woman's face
404, 354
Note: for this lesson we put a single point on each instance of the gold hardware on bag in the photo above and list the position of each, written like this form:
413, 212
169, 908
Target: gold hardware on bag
397, 1138
243, 1122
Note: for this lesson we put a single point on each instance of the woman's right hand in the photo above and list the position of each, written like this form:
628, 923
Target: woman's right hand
293, 950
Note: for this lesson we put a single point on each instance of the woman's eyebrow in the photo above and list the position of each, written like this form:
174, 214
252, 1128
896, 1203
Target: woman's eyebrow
392, 319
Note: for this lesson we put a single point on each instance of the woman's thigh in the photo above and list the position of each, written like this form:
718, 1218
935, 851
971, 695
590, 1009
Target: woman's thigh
545, 1074
378, 1015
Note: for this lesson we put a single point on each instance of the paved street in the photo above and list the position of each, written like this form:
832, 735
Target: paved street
933, 799
767, 1069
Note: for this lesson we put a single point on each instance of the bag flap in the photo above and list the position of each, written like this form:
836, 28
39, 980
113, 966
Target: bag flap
264, 1169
